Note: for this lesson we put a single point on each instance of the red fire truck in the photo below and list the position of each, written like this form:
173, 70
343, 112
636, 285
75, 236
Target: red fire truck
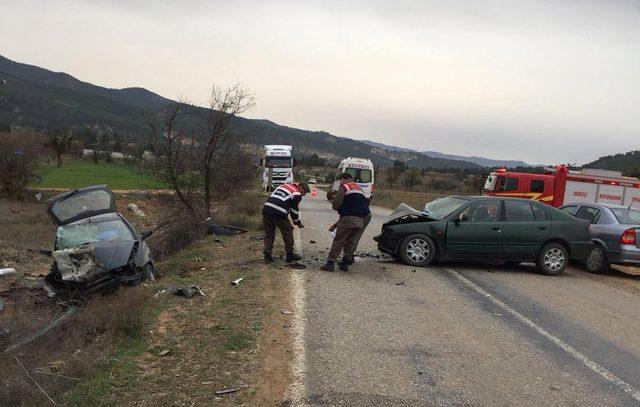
559, 186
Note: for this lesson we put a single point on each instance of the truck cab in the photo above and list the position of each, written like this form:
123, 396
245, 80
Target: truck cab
277, 166
539, 187
362, 171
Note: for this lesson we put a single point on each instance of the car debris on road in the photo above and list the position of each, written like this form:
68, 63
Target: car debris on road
186, 290
237, 281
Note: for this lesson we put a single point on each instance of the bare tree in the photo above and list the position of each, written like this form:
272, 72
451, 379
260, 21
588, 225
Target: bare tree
59, 143
189, 144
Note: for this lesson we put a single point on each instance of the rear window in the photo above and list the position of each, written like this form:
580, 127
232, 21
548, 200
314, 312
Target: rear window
539, 213
571, 209
360, 175
588, 213
92, 201
627, 216
518, 211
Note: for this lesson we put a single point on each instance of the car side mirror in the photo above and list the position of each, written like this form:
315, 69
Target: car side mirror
463, 217
146, 234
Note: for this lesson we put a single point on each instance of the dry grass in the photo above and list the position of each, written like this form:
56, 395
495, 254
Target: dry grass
75, 349
215, 342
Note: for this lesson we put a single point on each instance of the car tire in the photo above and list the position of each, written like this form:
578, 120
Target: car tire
417, 250
552, 259
597, 261
148, 272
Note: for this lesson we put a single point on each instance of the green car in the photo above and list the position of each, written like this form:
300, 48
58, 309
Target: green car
486, 229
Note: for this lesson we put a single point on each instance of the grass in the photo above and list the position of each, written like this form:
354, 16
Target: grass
76, 173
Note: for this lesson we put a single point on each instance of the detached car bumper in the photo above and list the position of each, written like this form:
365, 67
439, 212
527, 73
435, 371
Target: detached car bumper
580, 250
629, 255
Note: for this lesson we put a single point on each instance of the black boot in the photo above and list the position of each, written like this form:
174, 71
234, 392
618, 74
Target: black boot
347, 261
328, 266
343, 266
292, 257
267, 258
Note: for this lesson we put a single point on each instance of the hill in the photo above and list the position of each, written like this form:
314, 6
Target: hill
628, 163
481, 161
38, 98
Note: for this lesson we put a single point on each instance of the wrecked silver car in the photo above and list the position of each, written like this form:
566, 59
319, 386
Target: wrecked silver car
96, 248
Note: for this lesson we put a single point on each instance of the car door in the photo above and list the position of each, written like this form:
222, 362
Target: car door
476, 231
526, 226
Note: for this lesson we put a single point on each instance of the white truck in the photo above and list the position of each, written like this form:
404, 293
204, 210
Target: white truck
277, 165
362, 171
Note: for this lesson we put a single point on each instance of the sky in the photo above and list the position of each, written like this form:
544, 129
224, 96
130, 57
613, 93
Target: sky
540, 81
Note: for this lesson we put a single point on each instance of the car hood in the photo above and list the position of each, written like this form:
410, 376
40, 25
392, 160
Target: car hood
403, 210
88, 262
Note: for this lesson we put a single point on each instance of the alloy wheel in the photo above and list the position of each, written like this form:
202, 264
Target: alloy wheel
418, 250
554, 259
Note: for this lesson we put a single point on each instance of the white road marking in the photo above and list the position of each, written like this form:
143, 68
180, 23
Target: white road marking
298, 389
626, 387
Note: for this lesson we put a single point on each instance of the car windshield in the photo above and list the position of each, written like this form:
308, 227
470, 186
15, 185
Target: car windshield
360, 175
88, 231
441, 207
627, 216
490, 183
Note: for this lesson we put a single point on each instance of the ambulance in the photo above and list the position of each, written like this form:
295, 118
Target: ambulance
558, 186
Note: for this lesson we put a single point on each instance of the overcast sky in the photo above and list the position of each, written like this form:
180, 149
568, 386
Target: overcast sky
541, 81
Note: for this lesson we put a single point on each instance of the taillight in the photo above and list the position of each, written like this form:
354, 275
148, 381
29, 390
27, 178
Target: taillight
628, 237
372, 188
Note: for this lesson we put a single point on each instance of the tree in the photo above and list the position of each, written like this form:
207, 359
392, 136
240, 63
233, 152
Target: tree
59, 142
412, 178
189, 144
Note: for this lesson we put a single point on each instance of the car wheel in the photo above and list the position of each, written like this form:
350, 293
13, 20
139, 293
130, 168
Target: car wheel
597, 260
417, 250
552, 259
148, 272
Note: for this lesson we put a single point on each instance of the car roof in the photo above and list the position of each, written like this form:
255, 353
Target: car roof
97, 218
600, 205
483, 197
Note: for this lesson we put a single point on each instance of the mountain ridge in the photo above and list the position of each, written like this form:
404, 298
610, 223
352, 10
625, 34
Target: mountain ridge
42, 99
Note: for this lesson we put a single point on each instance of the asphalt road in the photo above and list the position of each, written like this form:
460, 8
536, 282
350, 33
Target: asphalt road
460, 334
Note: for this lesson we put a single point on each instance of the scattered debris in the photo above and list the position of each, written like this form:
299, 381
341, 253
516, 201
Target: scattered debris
413, 271
400, 283
259, 237
312, 241
187, 290
297, 266
55, 374
237, 281
164, 352
498, 314
7, 271
554, 388
224, 230
286, 312
221, 392
136, 210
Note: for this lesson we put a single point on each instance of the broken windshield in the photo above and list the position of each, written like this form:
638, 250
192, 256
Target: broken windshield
441, 207
91, 231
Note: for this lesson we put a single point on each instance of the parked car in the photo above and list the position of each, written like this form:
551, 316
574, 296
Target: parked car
312, 180
96, 248
486, 228
614, 231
